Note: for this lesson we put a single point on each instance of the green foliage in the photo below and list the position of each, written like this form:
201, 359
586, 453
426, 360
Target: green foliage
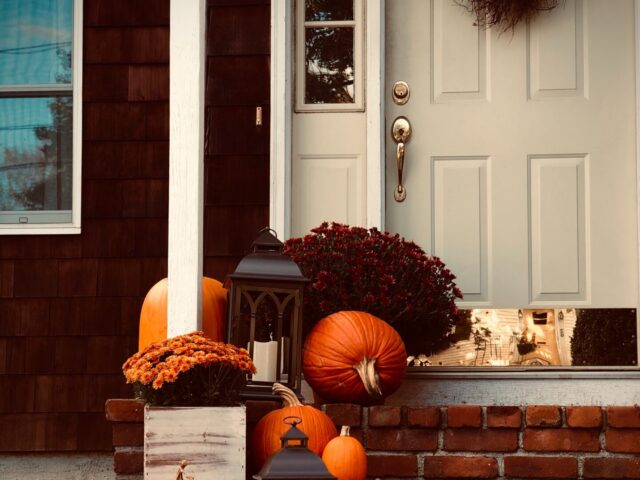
604, 337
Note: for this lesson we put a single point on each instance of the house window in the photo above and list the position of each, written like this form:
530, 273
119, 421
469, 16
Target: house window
329, 53
40, 138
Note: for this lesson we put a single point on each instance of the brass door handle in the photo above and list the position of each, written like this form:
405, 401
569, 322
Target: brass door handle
400, 131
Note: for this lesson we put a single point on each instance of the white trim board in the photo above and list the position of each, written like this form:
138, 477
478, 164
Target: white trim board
637, 45
281, 111
186, 165
374, 85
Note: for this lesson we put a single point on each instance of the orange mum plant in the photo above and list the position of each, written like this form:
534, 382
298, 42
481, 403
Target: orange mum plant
189, 370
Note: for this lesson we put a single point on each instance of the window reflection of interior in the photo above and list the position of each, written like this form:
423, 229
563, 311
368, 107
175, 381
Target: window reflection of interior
540, 338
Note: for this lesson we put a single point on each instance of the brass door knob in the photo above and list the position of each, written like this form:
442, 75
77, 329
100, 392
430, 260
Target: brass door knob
401, 132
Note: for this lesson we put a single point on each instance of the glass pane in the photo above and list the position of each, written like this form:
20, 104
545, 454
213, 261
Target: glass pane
538, 338
35, 153
35, 41
322, 10
329, 65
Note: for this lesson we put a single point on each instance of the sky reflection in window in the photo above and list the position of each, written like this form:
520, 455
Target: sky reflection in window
35, 41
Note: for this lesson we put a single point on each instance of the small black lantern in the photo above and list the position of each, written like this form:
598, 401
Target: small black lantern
265, 315
294, 460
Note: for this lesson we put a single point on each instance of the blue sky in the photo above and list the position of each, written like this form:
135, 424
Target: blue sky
31, 34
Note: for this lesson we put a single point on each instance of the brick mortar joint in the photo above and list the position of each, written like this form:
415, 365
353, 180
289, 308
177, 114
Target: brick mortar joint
563, 417
580, 466
420, 468
500, 460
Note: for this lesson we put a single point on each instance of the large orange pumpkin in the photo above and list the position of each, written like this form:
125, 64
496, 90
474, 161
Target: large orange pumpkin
153, 317
345, 457
354, 357
266, 436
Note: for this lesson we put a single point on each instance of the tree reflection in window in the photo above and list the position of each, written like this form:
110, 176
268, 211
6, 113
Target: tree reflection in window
329, 65
328, 10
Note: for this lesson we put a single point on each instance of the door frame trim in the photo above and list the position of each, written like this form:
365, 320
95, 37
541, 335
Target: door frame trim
374, 111
281, 112
637, 52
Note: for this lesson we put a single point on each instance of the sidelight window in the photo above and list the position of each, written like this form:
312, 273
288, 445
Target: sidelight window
329, 53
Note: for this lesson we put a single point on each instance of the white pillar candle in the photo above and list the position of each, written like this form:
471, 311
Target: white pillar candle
265, 358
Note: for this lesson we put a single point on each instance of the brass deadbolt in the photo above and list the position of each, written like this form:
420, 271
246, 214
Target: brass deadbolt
400, 92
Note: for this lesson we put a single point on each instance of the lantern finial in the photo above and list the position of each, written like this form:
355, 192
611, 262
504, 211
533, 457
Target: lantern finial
267, 241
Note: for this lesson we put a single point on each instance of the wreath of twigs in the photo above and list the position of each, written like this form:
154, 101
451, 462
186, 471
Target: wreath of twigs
506, 14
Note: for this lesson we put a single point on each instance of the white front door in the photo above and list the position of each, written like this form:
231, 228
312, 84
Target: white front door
520, 172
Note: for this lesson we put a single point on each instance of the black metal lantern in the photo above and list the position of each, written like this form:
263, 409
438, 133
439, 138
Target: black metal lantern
294, 460
265, 315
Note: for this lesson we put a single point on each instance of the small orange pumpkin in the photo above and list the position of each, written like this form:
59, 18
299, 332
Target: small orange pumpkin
153, 317
354, 357
315, 424
345, 457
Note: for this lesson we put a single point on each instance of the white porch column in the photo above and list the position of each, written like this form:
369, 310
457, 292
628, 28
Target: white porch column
186, 164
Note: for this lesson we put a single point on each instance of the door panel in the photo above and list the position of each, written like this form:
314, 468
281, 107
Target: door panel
520, 172
460, 55
556, 48
460, 219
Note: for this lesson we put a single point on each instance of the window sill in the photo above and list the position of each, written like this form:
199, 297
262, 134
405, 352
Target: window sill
40, 230
522, 373
515, 387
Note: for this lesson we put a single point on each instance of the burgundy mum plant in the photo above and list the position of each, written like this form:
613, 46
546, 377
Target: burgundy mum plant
352, 268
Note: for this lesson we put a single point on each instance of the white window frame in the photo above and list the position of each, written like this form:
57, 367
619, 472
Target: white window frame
72, 227
358, 60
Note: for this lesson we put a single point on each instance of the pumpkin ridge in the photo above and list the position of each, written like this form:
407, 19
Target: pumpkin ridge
349, 329
329, 343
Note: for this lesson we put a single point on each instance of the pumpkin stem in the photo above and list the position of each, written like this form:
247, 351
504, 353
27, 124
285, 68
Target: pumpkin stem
367, 371
289, 398
344, 432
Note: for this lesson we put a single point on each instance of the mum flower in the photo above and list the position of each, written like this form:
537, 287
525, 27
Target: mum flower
164, 363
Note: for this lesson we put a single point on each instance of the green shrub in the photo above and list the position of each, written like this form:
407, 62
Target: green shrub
604, 337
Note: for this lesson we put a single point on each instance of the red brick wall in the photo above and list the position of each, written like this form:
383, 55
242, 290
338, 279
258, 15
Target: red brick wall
460, 441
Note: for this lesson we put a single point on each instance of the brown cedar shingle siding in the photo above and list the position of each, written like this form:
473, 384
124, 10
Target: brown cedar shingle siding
236, 151
69, 305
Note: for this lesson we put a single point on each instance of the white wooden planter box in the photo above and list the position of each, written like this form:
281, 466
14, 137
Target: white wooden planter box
211, 439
